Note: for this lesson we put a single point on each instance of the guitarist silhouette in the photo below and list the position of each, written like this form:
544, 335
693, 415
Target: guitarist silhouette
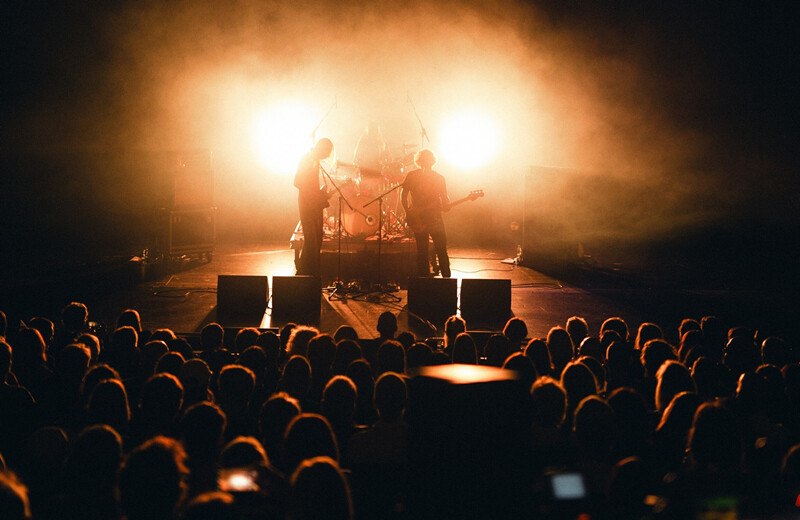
311, 200
428, 193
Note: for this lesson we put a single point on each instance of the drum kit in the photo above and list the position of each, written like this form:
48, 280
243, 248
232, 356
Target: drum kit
361, 211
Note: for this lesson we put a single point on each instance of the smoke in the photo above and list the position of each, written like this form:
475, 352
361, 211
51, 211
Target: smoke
621, 105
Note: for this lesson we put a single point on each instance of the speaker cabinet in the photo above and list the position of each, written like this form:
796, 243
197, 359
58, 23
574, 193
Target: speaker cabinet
191, 231
485, 302
296, 299
433, 299
467, 426
241, 299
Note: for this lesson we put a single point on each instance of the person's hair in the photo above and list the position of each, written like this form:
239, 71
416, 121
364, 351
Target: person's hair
390, 395
339, 399
406, 338
319, 491
152, 481
171, 363
211, 505
425, 157
715, 438
646, 332
73, 361
92, 342
391, 357
309, 435
320, 353
347, 351
594, 426
94, 375
296, 377
275, 415
163, 334
452, 327
236, 382
577, 328
14, 503
5, 360
43, 325
497, 349
578, 382
559, 343
418, 355
212, 336
345, 332
515, 330
93, 463
464, 350
74, 316
108, 404
243, 451
536, 350
686, 325
254, 358
162, 394
323, 147
774, 352
123, 351
549, 401
523, 366
297, 344
28, 349
202, 426
616, 324
672, 377
655, 353
131, 318
387, 324
245, 337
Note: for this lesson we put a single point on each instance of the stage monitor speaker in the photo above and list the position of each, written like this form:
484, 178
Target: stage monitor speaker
241, 299
433, 299
485, 302
296, 299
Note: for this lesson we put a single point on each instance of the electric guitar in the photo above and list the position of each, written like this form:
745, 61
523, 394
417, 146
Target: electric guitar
418, 219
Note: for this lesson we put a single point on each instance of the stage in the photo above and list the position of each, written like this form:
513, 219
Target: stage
182, 294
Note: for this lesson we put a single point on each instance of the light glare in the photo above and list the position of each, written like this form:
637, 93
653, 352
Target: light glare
281, 135
469, 140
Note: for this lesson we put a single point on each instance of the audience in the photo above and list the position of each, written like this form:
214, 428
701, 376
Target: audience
136, 425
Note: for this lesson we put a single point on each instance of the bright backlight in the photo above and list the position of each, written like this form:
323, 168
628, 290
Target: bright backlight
281, 135
469, 140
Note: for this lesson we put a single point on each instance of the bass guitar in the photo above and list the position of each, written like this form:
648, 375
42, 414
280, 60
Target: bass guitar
418, 219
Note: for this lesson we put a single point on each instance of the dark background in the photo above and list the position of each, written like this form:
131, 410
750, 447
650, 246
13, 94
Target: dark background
79, 180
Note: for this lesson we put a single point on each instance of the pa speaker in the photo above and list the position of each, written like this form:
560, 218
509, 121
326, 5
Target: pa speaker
296, 299
433, 299
466, 429
485, 301
241, 299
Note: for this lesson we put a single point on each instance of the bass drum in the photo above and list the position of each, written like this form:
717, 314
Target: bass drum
360, 221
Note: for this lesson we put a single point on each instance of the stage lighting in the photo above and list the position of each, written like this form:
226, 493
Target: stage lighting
469, 139
281, 134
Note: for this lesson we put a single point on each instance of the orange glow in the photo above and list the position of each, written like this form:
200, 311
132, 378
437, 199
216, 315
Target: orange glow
469, 139
281, 134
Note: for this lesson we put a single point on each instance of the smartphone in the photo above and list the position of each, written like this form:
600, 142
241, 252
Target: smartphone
567, 486
236, 480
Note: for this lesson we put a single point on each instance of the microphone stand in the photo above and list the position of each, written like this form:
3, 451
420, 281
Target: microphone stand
313, 134
381, 291
422, 132
338, 291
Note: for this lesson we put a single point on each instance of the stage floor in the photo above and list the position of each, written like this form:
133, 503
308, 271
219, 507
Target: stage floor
183, 296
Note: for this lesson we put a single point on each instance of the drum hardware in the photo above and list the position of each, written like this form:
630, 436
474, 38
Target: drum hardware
381, 292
